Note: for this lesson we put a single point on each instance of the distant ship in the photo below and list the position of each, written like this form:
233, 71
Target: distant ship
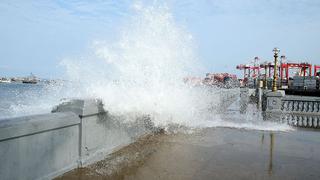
32, 79
5, 80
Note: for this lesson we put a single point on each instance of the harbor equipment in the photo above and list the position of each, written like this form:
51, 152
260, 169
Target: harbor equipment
317, 70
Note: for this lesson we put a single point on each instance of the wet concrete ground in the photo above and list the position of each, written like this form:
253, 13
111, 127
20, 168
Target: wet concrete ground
213, 153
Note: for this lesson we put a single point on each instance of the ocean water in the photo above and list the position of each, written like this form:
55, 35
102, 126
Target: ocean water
14, 95
17, 99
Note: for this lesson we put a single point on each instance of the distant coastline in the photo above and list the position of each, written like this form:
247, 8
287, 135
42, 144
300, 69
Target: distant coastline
31, 79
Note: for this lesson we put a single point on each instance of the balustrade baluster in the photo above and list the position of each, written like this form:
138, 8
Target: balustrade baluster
304, 121
292, 106
300, 121
314, 108
309, 119
314, 122
295, 120
295, 105
291, 120
310, 106
304, 106
301, 106
288, 105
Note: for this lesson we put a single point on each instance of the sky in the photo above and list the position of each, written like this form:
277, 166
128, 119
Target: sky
36, 35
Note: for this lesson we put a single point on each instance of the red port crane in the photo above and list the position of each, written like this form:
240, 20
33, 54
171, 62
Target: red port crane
304, 68
316, 70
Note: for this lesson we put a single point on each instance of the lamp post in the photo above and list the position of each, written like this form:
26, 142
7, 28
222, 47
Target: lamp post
282, 61
265, 85
275, 69
256, 79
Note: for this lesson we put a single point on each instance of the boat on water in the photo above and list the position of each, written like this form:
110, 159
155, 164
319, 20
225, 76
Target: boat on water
28, 81
32, 79
5, 80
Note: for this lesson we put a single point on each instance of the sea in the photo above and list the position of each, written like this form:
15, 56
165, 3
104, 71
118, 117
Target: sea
18, 99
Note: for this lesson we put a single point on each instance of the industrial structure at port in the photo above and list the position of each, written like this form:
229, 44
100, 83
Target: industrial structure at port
293, 99
291, 76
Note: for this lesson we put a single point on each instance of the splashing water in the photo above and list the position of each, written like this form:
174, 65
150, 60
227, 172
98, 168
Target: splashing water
145, 70
143, 73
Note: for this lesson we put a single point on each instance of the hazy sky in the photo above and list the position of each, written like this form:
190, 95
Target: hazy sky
36, 35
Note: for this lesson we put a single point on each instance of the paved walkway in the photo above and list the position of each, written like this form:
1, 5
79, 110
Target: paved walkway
214, 153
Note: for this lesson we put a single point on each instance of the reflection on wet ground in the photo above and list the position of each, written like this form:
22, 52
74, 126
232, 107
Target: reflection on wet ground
215, 153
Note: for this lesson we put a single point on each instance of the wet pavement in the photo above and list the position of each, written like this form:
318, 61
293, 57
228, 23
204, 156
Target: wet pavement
216, 153
213, 153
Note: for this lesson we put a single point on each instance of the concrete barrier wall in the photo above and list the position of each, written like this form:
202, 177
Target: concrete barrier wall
101, 132
40, 146
77, 133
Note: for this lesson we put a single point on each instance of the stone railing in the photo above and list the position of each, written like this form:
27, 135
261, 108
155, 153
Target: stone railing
76, 133
302, 120
301, 105
301, 111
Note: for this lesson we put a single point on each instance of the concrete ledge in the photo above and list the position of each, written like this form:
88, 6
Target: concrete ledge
75, 134
81, 107
16, 127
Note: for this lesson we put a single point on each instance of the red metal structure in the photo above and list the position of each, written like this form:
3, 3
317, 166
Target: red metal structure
270, 66
316, 70
255, 70
254, 73
304, 68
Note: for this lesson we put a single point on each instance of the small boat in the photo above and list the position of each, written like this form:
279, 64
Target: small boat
5, 80
28, 81
32, 79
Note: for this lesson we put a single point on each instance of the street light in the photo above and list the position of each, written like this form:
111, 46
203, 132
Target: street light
256, 79
265, 86
282, 61
275, 74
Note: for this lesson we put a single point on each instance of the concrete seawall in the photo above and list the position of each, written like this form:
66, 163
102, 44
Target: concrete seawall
76, 133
